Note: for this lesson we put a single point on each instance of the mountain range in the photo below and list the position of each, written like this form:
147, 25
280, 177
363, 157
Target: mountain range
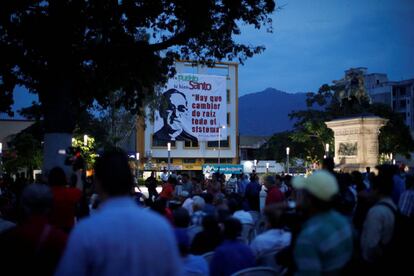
265, 113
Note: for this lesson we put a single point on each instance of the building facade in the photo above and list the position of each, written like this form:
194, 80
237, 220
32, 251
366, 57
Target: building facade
191, 155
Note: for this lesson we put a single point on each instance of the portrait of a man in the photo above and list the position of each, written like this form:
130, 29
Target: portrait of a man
172, 109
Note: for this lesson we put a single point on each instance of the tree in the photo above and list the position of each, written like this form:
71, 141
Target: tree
73, 53
275, 147
312, 133
25, 152
117, 121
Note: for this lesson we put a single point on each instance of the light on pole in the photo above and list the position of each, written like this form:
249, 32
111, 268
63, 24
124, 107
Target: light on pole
137, 157
267, 167
219, 147
255, 165
327, 150
287, 159
85, 140
1, 159
169, 156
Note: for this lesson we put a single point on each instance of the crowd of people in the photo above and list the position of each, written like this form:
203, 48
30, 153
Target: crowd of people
327, 223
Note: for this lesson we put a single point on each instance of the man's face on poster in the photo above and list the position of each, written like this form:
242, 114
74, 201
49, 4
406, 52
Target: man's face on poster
175, 111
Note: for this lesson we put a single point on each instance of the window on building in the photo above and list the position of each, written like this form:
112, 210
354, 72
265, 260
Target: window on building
161, 143
215, 160
403, 103
191, 144
223, 143
162, 160
402, 91
189, 160
228, 119
228, 95
377, 81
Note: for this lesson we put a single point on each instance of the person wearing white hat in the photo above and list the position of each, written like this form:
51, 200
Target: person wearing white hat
325, 243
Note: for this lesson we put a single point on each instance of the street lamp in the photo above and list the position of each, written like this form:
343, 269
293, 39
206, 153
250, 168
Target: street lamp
287, 159
85, 140
137, 157
267, 167
219, 149
327, 150
255, 165
169, 156
1, 159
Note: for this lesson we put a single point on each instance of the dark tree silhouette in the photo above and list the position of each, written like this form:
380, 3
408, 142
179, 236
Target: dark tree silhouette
75, 52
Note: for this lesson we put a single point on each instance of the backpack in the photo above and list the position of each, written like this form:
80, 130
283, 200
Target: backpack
396, 247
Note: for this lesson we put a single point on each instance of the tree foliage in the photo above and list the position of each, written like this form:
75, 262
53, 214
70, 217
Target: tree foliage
275, 148
73, 53
25, 151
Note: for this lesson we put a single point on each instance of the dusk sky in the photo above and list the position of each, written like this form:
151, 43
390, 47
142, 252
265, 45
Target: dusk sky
314, 41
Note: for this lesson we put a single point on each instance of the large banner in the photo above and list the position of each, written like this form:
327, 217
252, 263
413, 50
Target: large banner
192, 108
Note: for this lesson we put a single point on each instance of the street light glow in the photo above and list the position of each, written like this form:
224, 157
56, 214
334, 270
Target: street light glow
85, 140
267, 165
1, 148
327, 147
137, 156
255, 162
168, 146
287, 150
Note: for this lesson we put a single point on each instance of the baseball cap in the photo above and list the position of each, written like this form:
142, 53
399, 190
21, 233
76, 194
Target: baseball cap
321, 184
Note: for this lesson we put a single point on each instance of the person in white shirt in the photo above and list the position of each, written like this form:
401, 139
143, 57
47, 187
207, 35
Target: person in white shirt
275, 238
164, 175
120, 238
236, 208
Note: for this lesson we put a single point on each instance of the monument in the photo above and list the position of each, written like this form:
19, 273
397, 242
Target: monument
356, 141
356, 137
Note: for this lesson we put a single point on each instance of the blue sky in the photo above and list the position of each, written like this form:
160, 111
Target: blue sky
314, 41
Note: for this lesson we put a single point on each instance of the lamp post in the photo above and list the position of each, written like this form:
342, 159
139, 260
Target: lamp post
137, 157
287, 159
169, 156
267, 167
1, 159
255, 165
327, 150
219, 148
85, 140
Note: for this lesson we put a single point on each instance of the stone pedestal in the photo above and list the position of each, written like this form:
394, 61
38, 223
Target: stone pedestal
356, 142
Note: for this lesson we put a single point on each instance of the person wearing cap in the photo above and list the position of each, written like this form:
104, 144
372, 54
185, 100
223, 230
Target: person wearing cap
325, 243
274, 195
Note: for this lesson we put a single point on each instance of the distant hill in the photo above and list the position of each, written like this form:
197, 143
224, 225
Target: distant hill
266, 112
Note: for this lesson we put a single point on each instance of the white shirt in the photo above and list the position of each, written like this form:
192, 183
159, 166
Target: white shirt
121, 239
244, 217
271, 241
164, 176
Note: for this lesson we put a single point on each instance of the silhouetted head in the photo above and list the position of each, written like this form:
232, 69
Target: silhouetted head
181, 218
36, 199
113, 174
57, 177
232, 228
